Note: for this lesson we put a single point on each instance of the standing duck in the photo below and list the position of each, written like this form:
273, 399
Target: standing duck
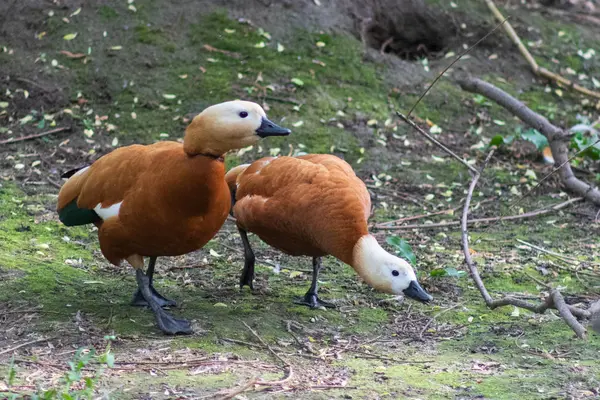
164, 199
314, 205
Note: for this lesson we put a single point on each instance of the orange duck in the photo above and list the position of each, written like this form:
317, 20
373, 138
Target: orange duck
164, 199
314, 205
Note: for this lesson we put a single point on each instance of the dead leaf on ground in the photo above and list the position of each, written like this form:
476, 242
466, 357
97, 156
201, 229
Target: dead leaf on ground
72, 55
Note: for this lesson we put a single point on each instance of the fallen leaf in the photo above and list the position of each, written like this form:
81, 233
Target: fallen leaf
295, 274
72, 55
297, 82
435, 129
280, 47
70, 36
169, 96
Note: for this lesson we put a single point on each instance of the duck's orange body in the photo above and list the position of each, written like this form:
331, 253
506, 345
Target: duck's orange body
164, 199
314, 205
310, 205
171, 203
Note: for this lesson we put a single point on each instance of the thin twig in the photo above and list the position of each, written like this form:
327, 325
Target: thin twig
555, 300
434, 317
557, 255
32, 83
461, 55
540, 71
465, 233
230, 394
37, 135
530, 214
260, 339
435, 141
557, 137
10, 350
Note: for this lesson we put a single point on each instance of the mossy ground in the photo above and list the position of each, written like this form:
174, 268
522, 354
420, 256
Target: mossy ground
150, 72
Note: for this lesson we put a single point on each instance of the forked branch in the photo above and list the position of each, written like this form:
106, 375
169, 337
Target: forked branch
557, 137
554, 299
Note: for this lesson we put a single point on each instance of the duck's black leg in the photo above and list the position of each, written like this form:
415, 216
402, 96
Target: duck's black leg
310, 298
166, 322
138, 298
247, 277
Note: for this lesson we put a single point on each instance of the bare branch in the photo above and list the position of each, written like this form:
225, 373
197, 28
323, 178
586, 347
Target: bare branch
557, 137
530, 214
554, 300
540, 71
461, 55
435, 141
35, 136
565, 313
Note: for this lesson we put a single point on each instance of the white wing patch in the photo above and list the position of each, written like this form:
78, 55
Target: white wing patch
108, 212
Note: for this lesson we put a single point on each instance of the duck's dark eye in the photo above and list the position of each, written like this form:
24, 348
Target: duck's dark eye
395, 273
243, 114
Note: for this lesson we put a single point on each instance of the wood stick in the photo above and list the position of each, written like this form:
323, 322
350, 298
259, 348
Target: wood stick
461, 55
265, 344
557, 138
530, 214
540, 71
555, 300
37, 135
435, 141
565, 313
10, 350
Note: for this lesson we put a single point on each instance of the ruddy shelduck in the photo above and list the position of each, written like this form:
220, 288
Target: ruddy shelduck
164, 199
314, 205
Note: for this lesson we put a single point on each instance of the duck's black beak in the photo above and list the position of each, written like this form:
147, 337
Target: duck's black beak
415, 291
268, 128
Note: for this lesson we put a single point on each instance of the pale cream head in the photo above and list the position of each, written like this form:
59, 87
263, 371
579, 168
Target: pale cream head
228, 126
384, 271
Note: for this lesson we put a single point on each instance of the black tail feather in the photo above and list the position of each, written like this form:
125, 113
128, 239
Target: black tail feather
72, 172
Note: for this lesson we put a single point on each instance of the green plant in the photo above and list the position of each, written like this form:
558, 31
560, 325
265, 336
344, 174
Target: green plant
402, 248
530, 135
447, 271
79, 381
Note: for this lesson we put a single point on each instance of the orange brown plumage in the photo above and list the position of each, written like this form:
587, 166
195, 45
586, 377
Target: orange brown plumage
314, 205
163, 199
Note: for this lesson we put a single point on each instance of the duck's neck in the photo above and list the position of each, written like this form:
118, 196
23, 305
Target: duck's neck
371, 262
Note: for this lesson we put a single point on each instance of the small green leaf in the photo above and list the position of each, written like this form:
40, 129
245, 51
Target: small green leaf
451, 271
497, 140
70, 36
110, 359
403, 249
297, 82
437, 272
447, 271
536, 138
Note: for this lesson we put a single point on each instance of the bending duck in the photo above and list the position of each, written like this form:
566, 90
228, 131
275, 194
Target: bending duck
164, 199
314, 205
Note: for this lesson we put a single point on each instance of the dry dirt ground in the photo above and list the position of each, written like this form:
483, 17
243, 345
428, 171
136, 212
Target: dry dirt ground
103, 75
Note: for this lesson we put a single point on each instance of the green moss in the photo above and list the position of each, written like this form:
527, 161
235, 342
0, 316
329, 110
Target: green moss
153, 36
107, 13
